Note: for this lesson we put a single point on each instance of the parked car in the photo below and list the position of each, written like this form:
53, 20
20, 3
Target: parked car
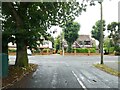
29, 52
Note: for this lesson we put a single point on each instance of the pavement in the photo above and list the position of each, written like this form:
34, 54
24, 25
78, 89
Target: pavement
56, 71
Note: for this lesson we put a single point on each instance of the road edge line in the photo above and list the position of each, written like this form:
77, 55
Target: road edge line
79, 81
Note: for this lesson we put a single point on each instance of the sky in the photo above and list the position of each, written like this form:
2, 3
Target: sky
87, 19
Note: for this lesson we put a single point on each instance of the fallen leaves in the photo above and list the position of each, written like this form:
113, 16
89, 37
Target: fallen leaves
16, 74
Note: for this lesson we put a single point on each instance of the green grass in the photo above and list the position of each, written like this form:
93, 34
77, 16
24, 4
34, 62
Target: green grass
118, 62
107, 69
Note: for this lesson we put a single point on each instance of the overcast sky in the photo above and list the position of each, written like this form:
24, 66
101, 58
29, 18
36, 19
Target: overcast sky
87, 19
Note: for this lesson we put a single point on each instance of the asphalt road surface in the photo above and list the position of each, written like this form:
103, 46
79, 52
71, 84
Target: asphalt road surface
57, 71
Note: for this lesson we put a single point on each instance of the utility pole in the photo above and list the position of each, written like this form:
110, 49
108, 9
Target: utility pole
101, 34
63, 43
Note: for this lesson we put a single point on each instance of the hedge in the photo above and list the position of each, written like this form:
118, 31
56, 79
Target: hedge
37, 51
81, 50
45, 50
92, 50
111, 49
12, 50
85, 50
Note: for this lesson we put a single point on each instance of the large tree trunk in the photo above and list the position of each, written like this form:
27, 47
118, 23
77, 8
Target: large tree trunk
21, 54
21, 58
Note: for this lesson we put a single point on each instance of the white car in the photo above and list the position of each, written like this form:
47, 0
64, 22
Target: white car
29, 52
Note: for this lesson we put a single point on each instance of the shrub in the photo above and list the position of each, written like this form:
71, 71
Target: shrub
58, 52
12, 50
45, 50
111, 50
117, 49
117, 53
92, 50
81, 50
37, 51
85, 50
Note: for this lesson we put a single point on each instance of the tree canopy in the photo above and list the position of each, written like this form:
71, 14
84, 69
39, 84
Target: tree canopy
96, 30
27, 21
114, 29
71, 33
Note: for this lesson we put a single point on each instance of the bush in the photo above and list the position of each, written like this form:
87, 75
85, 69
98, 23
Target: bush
12, 50
58, 52
45, 50
92, 50
117, 53
81, 50
85, 50
37, 51
111, 50
117, 50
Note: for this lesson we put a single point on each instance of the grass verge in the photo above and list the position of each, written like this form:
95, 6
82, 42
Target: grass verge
16, 74
107, 69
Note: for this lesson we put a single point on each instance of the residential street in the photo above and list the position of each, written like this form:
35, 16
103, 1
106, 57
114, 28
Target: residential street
57, 71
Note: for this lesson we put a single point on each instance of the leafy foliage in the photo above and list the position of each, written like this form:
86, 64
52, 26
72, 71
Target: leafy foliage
81, 50
96, 30
85, 50
108, 45
57, 43
114, 29
71, 33
28, 21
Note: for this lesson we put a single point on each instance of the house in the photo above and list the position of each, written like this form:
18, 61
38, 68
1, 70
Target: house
46, 44
83, 41
11, 46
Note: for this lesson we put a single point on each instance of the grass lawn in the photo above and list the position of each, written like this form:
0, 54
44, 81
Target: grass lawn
118, 62
16, 74
107, 69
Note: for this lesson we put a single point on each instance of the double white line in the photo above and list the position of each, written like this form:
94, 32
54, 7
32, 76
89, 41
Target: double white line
80, 82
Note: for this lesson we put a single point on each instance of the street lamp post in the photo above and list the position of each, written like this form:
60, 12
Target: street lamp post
63, 43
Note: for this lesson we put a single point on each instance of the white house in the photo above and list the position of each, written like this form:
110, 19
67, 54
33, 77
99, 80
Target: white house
46, 44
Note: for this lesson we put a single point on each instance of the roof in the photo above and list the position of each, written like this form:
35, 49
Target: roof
84, 38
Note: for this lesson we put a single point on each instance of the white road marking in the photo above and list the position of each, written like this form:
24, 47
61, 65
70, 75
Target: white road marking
54, 80
80, 82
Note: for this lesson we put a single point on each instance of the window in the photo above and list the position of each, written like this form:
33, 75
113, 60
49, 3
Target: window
87, 42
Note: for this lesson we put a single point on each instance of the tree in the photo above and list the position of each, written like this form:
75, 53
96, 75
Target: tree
57, 43
27, 21
108, 43
96, 30
114, 29
71, 33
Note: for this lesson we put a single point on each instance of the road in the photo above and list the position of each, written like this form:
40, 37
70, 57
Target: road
57, 71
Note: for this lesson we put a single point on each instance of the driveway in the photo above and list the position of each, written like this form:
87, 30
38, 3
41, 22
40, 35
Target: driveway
57, 71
